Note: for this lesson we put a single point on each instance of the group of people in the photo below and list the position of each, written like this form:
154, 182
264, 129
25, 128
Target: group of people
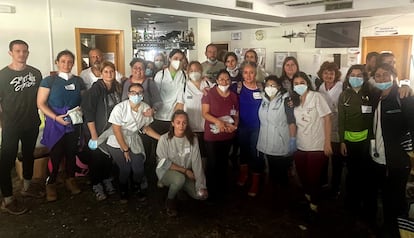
197, 115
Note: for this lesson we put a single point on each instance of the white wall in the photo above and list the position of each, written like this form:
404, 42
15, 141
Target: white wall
306, 51
31, 21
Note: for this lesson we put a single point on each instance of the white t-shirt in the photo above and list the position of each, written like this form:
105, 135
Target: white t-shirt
89, 78
171, 92
130, 121
310, 124
192, 104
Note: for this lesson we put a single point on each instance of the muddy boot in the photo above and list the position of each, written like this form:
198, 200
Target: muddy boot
72, 186
51, 194
171, 206
123, 192
254, 188
244, 174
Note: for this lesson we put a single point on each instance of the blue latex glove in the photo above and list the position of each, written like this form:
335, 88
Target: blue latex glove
93, 144
292, 145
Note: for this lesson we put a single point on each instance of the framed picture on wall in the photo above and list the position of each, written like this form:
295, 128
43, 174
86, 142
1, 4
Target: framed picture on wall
236, 36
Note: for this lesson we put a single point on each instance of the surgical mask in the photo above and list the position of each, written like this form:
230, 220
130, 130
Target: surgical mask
65, 76
175, 64
158, 64
212, 61
356, 82
148, 72
233, 72
383, 86
195, 76
223, 88
300, 89
135, 99
270, 91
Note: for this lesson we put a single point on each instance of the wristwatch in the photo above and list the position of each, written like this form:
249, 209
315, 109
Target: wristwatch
127, 150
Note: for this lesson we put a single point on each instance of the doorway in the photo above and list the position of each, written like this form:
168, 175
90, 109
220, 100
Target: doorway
222, 49
110, 42
400, 46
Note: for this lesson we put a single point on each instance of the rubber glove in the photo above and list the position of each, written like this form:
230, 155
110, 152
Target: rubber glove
93, 144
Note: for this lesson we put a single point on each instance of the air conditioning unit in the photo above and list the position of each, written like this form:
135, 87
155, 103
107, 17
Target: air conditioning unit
309, 3
302, 3
275, 2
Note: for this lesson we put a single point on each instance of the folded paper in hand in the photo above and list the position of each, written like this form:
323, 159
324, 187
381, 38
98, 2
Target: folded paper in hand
75, 115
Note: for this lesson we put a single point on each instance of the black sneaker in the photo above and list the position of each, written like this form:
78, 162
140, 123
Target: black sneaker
15, 207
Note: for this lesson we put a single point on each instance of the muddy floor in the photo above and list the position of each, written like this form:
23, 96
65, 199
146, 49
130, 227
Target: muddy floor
236, 216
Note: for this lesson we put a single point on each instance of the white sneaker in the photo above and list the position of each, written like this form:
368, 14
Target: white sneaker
99, 192
109, 188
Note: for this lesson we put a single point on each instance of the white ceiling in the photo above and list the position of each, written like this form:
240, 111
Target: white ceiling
173, 14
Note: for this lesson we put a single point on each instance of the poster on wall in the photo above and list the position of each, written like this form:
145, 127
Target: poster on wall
261, 55
352, 56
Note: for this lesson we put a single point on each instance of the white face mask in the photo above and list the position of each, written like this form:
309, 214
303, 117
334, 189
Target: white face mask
233, 72
270, 91
223, 88
195, 76
65, 76
175, 64
158, 64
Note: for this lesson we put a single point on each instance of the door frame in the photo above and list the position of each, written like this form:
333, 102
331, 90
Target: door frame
408, 38
120, 60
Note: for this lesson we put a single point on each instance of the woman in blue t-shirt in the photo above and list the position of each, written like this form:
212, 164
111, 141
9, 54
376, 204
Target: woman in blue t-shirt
56, 96
250, 98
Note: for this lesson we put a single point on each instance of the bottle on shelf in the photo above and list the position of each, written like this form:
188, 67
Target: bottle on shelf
145, 34
191, 36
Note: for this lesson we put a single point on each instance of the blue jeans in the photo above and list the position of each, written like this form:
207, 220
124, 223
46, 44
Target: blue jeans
248, 153
136, 165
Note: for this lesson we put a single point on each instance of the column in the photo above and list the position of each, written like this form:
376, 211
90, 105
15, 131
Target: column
202, 37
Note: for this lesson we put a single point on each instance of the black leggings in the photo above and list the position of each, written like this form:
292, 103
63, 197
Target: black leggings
67, 148
100, 166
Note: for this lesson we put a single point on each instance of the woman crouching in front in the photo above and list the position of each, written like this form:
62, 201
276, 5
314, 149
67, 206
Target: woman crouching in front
179, 165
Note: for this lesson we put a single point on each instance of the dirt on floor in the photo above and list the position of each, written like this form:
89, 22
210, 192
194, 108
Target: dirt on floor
236, 216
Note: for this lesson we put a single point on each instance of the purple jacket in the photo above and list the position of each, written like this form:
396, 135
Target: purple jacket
53, 130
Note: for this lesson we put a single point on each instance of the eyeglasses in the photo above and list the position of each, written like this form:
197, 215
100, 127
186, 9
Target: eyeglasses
272, 85
223, 80
136, 93
383, 75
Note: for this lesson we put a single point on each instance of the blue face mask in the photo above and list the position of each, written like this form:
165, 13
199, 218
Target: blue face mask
384, 86
148, 72
300, 89
135, 99
356, 82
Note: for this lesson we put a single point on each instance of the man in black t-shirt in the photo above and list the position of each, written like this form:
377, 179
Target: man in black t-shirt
20, 122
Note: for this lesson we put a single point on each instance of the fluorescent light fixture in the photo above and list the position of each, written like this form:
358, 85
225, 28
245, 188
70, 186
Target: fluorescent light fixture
7, 9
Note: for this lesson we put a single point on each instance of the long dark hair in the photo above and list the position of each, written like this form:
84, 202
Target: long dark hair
360, 67
187, 133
